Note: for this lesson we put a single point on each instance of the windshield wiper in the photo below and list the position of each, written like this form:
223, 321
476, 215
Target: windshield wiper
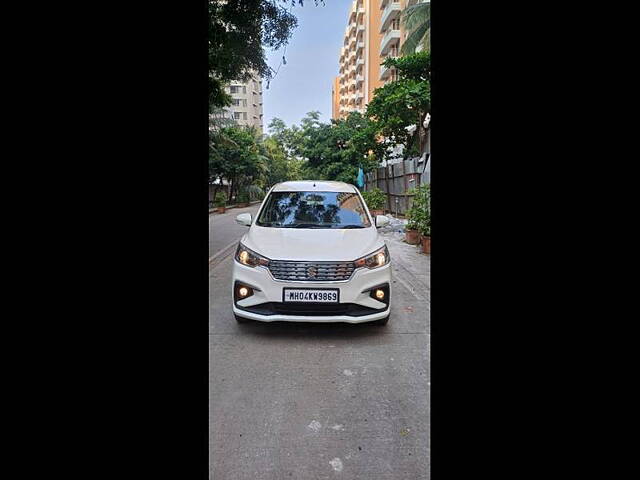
350, 226
304, 225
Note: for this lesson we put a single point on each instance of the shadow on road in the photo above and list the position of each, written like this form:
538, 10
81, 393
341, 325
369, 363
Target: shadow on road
293, 330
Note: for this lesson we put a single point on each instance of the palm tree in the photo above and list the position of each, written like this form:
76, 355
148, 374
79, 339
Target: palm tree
417, 20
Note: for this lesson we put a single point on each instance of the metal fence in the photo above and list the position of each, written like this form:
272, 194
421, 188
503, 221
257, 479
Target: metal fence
397, 179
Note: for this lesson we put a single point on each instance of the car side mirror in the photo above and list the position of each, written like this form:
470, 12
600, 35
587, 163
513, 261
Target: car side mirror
381, 220
244, 219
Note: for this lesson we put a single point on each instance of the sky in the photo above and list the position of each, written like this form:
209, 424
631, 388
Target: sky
304, 83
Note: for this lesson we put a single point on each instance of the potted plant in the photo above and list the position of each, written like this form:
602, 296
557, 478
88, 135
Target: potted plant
411, 233
422, 200
375, 200
220, 202
414, 214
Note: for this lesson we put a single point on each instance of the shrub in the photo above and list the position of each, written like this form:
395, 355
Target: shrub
243, 197
374, 198
419, 214
220, 199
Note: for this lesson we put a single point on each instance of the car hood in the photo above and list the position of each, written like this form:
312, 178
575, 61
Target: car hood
312, 244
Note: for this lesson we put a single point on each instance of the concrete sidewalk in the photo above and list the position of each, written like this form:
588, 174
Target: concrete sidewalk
410, 266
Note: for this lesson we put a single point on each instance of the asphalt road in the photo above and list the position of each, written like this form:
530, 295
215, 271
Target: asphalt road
320, 401
224, 230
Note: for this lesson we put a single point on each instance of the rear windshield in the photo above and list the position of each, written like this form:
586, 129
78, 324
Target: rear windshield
313, 210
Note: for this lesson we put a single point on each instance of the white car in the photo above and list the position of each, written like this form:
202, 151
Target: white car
312, 254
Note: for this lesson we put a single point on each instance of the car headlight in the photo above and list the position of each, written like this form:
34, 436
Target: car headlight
248, 257
376, 259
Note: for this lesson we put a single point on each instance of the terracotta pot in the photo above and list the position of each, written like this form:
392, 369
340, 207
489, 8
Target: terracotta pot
426, 244
221, 209
412, 237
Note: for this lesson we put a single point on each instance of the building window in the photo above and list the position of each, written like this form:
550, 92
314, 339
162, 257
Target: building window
244, 115
236, 115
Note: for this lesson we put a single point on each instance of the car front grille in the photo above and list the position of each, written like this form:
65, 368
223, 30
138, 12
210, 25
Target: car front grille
311, 271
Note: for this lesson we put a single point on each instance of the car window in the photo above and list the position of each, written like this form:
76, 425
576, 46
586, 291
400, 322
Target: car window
313, 210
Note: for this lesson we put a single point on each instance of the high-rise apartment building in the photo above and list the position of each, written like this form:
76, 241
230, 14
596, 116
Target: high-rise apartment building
373, 33
246, 106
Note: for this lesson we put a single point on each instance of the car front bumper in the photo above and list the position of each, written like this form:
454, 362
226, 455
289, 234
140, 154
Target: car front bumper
355, 303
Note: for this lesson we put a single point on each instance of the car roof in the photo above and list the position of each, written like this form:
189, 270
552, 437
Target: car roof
314, 185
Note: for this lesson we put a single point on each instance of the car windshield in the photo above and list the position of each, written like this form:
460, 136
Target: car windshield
313, 210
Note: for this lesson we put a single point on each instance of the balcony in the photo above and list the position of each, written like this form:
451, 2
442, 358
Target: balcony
390, 13
359, 46
391, 38
360, 27
359, 79
384, 72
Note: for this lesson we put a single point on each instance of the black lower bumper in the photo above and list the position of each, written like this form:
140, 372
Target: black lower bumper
311, 309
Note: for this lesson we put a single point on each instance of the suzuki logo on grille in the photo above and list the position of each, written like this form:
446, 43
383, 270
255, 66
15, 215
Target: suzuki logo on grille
312, 272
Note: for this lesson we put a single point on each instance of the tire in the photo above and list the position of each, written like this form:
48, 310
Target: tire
240, 319
382, 321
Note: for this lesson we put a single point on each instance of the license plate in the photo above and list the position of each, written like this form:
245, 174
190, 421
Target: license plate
310, 295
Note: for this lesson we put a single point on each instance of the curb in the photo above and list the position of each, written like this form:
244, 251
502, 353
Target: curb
213, 210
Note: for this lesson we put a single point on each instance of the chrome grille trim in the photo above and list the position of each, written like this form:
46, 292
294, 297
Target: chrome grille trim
299, 271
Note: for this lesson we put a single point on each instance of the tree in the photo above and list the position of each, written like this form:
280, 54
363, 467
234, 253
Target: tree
287, 137
405, 102
335, 151
281, 167
417, 21
237, 155
238, 31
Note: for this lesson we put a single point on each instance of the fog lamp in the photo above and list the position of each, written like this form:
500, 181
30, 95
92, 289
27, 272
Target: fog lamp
379, 294
244, 291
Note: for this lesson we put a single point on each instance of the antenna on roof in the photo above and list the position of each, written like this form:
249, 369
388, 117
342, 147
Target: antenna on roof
314, 184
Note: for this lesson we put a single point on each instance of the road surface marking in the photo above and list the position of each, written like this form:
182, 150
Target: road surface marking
220, 255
